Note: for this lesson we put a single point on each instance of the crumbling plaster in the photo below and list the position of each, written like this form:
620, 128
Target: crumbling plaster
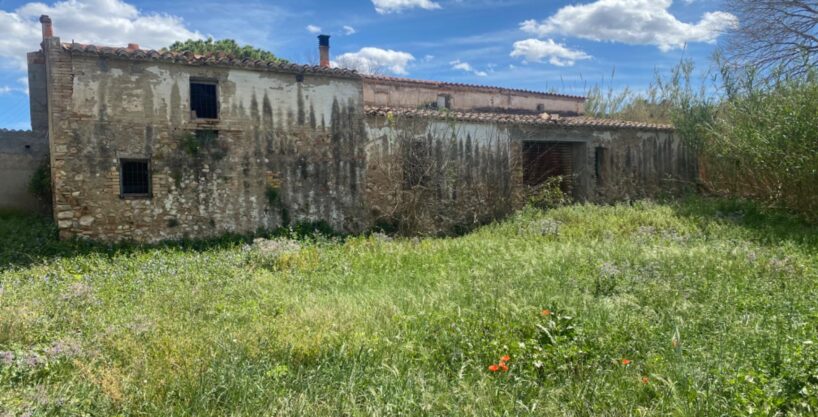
301, 150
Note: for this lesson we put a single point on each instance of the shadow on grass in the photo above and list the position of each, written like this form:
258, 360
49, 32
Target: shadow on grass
31, 239
763, 225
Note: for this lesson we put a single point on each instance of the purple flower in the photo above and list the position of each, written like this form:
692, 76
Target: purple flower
34, 360
6, 358
64, 348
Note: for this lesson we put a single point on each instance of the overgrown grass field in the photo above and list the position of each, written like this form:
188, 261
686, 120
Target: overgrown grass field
699, 307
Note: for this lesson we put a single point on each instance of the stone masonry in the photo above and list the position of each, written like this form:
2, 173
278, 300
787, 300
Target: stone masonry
291, 144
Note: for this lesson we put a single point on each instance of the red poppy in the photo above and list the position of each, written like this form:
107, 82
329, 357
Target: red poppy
546, 312
504, 367
626, 362
494, 368
505, 358
645, 380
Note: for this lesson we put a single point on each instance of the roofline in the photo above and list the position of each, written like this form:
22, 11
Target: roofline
214, 60
524, 120
443, 84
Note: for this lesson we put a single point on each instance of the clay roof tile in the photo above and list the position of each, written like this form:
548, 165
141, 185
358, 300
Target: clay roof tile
537, 120
190, 58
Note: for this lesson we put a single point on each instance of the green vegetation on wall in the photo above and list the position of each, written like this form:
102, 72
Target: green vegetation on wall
227, 46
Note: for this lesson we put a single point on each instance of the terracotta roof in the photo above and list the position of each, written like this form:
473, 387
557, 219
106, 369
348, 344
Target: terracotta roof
444, 84
189, 58
533, 120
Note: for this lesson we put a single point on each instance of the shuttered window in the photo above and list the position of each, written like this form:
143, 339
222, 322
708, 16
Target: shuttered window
543, 160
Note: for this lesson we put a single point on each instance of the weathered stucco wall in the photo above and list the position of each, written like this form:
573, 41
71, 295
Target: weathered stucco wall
21, 154
612, 164
407, 94
433, 176
639, 164
286, 151
473, 172
297, 147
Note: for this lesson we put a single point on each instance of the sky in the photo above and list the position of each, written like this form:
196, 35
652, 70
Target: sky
545, 45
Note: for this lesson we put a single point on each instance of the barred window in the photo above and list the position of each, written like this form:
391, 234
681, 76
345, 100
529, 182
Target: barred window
134, 178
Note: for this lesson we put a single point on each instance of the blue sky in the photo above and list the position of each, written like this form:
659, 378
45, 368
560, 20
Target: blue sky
559, 45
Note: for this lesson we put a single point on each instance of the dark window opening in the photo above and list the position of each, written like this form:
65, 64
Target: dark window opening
541, 108
544, 160
134, 178
599, 165
203, 100
444, 101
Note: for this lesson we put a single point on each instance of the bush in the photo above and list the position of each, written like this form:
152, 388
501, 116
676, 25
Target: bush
762, 144
549, 194
755, 137
40, 183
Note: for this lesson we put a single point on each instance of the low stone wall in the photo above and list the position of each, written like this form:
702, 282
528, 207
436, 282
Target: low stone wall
21, 153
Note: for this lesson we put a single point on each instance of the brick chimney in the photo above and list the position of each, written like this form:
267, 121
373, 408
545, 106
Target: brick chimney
48, 31
323, 50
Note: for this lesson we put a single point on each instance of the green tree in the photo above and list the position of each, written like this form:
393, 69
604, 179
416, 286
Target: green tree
228, 46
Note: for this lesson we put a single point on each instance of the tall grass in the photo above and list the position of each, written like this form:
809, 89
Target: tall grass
763, 143
693, 308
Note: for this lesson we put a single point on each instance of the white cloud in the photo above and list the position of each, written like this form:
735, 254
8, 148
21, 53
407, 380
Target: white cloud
349, 30
4, 89
105, 22
397, 6
24, 82
371, 60
465, 66
313, 29
535, 50
643, 22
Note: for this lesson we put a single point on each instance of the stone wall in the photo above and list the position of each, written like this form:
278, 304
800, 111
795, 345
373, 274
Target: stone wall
285, 152
297, 147
21, 154
38, 92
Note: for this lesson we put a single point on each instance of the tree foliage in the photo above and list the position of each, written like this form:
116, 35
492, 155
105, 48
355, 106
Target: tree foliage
227, 46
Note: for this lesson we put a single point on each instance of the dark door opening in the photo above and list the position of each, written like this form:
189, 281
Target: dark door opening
544, 160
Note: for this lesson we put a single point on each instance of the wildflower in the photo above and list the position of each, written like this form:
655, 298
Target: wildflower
505, 358
64, 348
494, 368
645, 380
34, 360
626, 362
546, 312
504, 367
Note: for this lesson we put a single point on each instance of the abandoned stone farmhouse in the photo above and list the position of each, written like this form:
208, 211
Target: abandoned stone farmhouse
151, 145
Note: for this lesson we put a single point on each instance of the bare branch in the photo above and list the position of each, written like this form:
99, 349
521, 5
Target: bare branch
774, 36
